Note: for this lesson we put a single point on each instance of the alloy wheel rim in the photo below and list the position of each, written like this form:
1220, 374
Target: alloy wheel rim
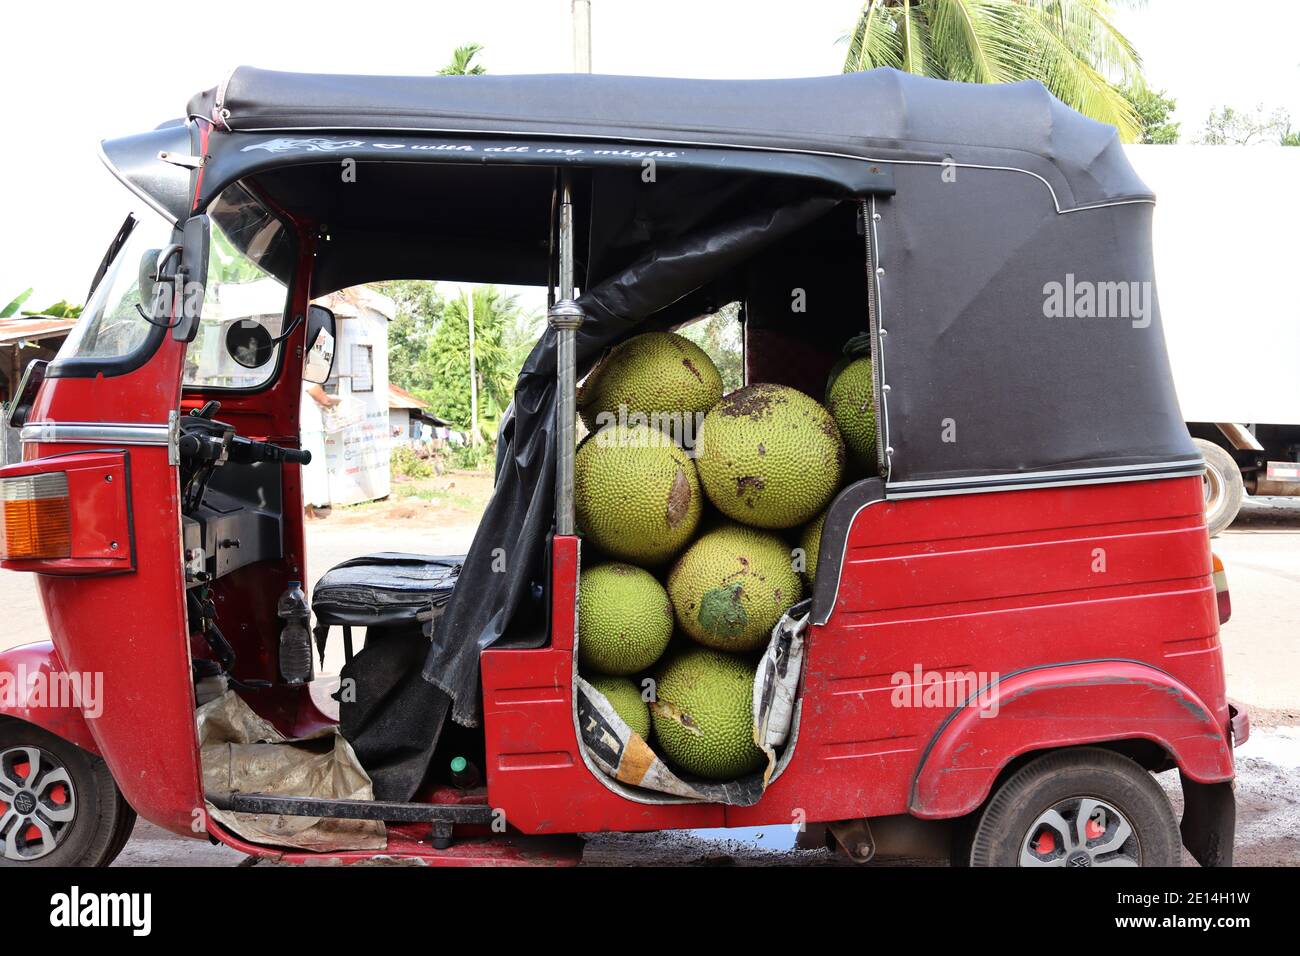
37, 803
1081, 832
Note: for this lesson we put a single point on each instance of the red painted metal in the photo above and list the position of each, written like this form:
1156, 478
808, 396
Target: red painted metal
1065, 706
947, 586
99, 489
410, 842
129, 630
39, 662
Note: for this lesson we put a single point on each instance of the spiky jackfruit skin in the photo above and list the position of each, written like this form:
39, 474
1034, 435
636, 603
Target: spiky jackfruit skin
731, 587
851, 400
655, 373
703, 714
624, 619
636, 494
810, 540
625, 697
769, 456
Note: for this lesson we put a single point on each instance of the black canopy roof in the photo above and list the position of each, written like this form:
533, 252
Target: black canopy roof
880, 114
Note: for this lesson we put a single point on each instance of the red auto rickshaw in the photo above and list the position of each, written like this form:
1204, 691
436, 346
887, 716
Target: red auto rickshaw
1037, 518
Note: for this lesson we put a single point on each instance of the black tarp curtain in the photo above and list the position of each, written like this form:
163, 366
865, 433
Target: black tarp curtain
500, 596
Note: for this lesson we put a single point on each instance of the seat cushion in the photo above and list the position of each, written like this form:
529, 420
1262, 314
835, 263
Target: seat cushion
385, 589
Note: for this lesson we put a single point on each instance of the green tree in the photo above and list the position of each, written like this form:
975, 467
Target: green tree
462, 62
497, 357
720, 337
1153, 111
1227, 126
419, 310
1071, 46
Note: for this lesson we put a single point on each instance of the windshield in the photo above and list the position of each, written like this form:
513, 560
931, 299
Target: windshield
112, 329
248, 263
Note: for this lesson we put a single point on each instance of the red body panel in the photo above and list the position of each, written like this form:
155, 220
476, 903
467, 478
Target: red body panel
19, 665
992, 584
130, 629
1062, 707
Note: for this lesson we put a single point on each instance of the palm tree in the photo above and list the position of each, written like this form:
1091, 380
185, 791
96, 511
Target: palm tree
1071, 46
462, 62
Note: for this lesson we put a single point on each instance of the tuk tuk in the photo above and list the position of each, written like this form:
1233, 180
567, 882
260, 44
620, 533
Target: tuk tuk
1036, 519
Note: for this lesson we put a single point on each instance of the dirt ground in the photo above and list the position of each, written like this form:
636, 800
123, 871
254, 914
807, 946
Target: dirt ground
1261, 553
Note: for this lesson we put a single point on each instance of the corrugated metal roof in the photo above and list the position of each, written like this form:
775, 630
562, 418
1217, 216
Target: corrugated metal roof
401, 398
33, 327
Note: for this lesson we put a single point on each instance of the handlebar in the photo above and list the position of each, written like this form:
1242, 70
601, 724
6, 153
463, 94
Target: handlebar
242, 450
247, 450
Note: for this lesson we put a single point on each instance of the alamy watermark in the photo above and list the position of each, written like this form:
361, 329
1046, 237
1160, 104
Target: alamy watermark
41, 689
1084, 299
636, 429
945, 690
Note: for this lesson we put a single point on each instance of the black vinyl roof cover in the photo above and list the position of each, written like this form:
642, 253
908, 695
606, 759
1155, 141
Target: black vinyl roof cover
882, 114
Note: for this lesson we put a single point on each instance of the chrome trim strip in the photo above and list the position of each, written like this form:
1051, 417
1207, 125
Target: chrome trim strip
1030, 485
96, 433
1189, 463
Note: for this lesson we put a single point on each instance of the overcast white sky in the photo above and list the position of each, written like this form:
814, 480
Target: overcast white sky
74, 74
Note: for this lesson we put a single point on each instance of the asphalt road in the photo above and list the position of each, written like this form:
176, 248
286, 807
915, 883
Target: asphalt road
1262, 556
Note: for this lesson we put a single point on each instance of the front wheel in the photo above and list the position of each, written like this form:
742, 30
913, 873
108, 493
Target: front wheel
58, 803
1077, 808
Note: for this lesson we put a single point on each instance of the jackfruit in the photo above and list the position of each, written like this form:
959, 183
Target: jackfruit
703, 714
636, 494
810, 540
624, 619
625, 697
657, 374
770, 456
851, 400
731, 587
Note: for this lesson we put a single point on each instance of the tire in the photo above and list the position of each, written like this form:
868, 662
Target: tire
1034, 818
1224, 489
122, 831
58, 803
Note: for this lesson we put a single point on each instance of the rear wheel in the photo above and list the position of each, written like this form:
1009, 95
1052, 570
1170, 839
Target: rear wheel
1224, 489
1077, 808
58, 804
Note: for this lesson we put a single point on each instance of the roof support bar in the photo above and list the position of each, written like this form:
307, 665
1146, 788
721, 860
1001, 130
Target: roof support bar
565, 318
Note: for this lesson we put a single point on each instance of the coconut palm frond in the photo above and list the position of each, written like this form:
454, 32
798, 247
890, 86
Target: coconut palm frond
1074, 81
1087, 26
874, 41
976, 41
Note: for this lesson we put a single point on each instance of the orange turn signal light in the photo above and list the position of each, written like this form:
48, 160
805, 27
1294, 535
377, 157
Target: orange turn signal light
37, 517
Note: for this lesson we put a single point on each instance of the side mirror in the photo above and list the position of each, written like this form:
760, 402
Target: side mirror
320, 345
192, 276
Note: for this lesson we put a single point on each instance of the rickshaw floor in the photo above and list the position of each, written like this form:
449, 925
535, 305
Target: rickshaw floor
410, 844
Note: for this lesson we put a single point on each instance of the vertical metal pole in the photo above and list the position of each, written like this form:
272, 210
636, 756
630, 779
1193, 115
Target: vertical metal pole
473, 377
565, 318
581, 36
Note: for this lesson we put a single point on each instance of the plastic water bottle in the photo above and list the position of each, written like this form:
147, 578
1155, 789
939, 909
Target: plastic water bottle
295, 636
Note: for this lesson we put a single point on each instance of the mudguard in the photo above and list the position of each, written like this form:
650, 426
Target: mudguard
1065, 705
35, 687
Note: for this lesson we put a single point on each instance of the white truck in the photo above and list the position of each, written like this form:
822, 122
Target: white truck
1226, 223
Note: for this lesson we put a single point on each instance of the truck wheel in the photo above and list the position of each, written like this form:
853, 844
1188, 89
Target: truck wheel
58, 804
1084, 807
1224, 489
